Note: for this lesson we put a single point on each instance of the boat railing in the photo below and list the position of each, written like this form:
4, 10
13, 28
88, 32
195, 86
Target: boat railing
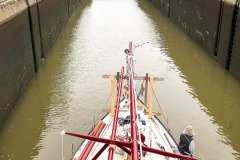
73, 147
73, 143
131, 147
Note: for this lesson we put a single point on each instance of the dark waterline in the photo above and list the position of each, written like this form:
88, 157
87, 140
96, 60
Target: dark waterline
68, 90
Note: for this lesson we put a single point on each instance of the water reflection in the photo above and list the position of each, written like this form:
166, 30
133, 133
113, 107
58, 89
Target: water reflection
69, 90
217, 91
213, 87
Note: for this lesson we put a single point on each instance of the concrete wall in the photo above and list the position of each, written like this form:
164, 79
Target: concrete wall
34, 23
72, 5
225, 34
198, 19
235, 58
53, 16
28, 30
162, 5
211, 23
16, 56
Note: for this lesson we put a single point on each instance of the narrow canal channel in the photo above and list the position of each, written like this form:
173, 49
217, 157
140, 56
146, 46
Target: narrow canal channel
69, 89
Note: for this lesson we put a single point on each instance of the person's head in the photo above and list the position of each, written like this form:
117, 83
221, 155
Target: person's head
189, 131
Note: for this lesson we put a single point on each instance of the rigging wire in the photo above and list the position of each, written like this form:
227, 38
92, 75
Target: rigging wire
164, 117
101, 110
140, 45
84, 126
168, 125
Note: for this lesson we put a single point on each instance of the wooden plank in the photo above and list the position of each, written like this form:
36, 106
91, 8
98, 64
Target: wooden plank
147, 109
96, 127
136, 78
113, 84
150, 98
146, 91
141, 104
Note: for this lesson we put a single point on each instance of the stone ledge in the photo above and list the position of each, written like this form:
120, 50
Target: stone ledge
11, 8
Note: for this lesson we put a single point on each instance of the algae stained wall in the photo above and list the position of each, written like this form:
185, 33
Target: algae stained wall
72, 6
198, 19
225, 33
162, 5
28, 31
34, 23
235, 57
16, 58
213, 24
53, 15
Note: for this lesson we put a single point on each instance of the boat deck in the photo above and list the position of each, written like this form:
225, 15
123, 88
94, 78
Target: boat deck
155, 134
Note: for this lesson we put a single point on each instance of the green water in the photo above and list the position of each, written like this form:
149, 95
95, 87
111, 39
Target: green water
68, 90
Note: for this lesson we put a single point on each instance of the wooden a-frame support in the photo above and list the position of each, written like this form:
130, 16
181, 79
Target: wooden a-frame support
113, 84
148, 96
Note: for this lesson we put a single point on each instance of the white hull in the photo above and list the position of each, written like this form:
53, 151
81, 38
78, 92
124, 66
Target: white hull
130, 130
156, 136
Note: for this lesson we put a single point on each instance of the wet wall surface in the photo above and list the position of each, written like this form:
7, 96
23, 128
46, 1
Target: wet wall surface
163, 5
198, 19
33, 31
211, 24
28, 31
72, 5
16, 62
53, 17
235, 59
36, 35
196, 90
225, 36
69, 89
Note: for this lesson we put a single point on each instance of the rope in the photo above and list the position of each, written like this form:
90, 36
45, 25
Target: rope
165, 119
140, 45
83, 127
101, 110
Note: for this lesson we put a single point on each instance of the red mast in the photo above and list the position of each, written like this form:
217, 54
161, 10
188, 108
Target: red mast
128, 147
133, 108
113, 136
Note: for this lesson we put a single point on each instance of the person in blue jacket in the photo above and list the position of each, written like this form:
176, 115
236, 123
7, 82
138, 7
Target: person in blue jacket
186, 144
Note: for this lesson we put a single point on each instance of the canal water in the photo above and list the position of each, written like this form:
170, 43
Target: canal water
69, 92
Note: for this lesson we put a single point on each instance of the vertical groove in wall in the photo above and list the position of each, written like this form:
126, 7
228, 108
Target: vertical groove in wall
169, 7
235, 59
234, 22
31, 35
68, 9
40, 30
219, 27
28, 29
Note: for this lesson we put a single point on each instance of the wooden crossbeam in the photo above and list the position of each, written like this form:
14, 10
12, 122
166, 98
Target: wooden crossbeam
108, 110
148, 96
136, 78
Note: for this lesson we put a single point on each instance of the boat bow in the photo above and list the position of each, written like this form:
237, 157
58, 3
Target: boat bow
132, 131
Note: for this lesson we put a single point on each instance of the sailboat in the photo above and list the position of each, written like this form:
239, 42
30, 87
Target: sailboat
130, 130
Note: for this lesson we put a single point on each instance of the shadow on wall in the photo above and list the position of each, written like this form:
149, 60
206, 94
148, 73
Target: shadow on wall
28, 31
